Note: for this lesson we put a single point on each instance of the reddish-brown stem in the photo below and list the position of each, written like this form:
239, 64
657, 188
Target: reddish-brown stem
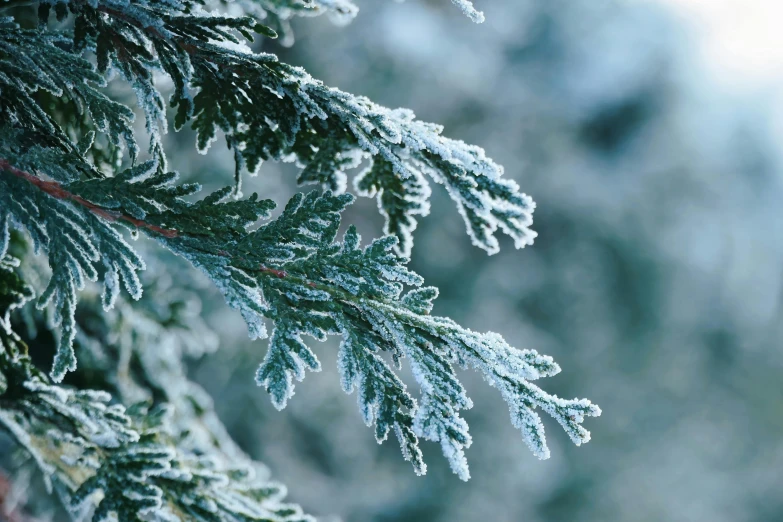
279, 273
56, 190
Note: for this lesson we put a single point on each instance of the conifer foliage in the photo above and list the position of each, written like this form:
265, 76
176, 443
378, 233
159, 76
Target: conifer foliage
74, 185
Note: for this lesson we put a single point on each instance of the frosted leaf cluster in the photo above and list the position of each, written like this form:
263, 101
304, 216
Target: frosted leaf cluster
112, 463
292, 271
220, 87
470, 11
80, 245
278, 13
71, 182
399, 200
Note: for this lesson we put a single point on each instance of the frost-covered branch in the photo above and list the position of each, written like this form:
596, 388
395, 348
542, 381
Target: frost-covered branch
292, 271
61, 181
129, 463
269, 110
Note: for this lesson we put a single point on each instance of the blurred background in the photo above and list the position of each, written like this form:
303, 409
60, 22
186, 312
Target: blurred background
649, 134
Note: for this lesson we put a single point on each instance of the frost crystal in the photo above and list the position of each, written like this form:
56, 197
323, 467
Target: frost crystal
467, 7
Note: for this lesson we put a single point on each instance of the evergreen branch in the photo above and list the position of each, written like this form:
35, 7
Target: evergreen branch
271, 110
79, 241
136, 352
399, 200
292, 271
466, 6
32, 62
137, 464
341, 11
280, 12
140, 476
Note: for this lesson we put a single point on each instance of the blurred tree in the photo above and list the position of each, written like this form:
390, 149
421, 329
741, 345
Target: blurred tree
657, 261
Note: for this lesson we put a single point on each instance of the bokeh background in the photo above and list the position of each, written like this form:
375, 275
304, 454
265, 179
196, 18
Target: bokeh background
649, 134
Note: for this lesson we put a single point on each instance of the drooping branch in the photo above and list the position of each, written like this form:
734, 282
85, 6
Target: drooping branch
291, 271
269, 110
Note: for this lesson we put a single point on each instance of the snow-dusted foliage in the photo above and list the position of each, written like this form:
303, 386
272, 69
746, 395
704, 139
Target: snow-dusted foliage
220, 87
278, 13
127, 464
399, 200
79, 245
292, 271
470, 11
65, 183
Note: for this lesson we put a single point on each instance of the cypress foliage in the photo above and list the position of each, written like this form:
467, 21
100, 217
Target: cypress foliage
142, 442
